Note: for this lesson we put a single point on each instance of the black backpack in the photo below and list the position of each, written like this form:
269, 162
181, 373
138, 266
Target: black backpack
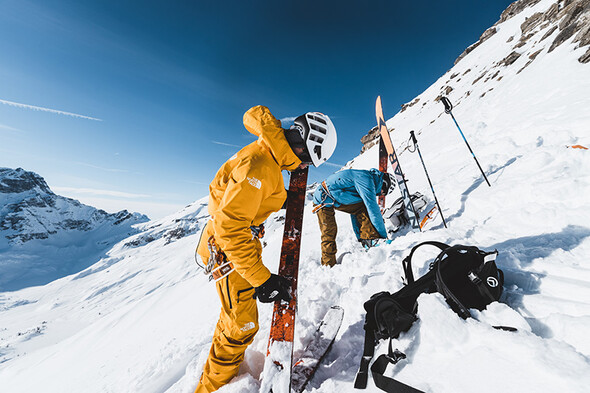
465, 275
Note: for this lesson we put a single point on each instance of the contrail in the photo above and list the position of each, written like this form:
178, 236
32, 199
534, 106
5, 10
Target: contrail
5, 127
226, 144
288, 119
102, 168
39, 108
332, 164
93, 191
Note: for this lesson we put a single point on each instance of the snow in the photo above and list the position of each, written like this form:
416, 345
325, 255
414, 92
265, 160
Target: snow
141, 318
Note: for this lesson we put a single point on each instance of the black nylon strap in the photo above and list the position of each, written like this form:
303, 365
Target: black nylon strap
388, 384
481, 285
444, 289
483, 289
362, 375
407, 262
462, 310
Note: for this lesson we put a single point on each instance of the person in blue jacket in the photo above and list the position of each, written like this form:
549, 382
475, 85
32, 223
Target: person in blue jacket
353, 191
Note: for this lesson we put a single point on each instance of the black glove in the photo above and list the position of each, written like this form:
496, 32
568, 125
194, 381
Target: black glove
275, 288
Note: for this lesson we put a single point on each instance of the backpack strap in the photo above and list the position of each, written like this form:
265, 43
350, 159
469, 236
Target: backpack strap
388, 384
362, 375
478, 282
444, 289
407, 262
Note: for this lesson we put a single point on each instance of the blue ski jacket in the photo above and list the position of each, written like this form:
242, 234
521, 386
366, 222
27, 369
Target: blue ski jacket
351, 186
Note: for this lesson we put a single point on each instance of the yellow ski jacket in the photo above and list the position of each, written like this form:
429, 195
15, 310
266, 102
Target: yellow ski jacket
245, 191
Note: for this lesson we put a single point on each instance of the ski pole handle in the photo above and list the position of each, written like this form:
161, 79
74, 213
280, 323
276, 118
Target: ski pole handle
447, 104
414, 141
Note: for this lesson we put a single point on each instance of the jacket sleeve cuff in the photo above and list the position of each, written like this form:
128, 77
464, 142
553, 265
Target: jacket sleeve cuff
259, 276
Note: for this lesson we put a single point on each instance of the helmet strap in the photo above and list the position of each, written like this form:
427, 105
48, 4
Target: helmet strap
295, 140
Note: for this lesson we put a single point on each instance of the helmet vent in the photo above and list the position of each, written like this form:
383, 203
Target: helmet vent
318, 119
318, 128
318, 151
316, 138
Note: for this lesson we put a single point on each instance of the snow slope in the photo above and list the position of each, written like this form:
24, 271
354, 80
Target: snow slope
141, 318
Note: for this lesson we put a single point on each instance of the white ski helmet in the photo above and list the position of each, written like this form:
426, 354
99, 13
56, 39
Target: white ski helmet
319, 136
388, 184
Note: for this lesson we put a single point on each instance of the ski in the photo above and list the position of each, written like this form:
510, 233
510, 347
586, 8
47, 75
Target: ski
382, 167
413, 217
307, 364
276, 375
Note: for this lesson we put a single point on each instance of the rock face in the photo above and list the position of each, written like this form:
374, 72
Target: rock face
370, 139
542, 30
30, 210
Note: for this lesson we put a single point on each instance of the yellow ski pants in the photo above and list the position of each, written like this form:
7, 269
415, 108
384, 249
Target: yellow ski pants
235, 330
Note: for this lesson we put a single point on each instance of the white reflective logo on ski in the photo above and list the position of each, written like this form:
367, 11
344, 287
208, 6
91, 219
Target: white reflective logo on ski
255, 182
492, 282
248, 326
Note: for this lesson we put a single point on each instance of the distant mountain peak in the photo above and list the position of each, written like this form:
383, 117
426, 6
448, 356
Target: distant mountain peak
30, 210
15, 181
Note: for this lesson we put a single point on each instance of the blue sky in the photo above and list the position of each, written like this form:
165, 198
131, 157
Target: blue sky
144, 99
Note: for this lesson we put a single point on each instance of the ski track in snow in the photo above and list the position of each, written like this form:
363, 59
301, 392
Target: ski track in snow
141, 318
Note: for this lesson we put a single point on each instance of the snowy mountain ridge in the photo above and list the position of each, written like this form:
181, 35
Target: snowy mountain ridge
30, 210
36, 224
140, 319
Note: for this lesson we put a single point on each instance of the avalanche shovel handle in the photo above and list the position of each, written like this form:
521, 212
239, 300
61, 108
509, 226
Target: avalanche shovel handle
447, 104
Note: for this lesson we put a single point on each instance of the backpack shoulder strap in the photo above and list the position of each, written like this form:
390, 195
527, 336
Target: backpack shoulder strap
407, 262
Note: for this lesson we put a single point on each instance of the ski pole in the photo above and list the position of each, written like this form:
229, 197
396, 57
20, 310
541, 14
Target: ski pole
428, 177
448, 108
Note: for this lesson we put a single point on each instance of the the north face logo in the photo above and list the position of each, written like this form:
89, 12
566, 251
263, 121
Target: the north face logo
248, 326
255, 182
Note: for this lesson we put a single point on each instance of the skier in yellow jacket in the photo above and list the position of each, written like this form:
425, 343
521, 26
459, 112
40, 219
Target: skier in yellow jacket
245, 191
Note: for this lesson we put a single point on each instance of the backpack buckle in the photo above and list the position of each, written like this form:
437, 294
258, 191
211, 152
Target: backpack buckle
474, 278
395, 356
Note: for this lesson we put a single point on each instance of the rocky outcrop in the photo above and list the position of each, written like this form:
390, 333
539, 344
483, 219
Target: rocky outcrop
571, 17
515, 8
510, 59
370, 139
410, 104
486, 34
574, 19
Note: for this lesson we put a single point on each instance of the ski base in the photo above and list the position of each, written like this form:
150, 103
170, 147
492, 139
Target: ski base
305, 368
276, 375
395, 166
